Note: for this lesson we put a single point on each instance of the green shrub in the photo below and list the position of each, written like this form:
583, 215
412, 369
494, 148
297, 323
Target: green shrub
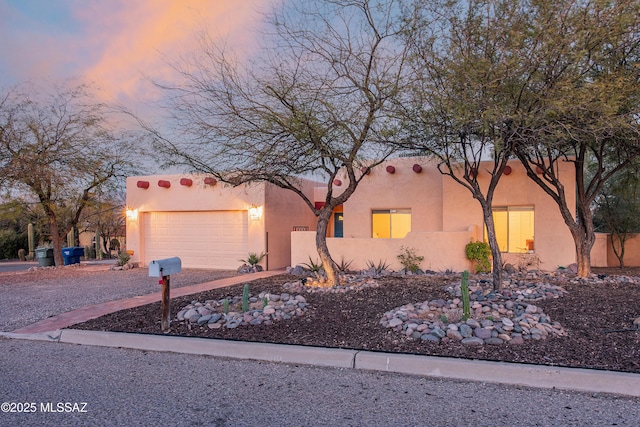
409, 259
11, 242
479, 253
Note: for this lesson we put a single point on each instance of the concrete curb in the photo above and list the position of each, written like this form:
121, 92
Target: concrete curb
37, 336
538, 376
318, 356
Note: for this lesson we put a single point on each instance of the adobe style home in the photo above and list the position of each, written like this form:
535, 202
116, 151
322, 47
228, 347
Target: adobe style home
404, 202
210, 225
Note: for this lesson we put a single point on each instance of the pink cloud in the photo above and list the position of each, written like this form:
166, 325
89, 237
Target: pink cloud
140, 38
115, 43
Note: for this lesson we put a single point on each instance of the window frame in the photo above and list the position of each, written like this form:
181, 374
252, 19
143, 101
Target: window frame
508, 209
391, 212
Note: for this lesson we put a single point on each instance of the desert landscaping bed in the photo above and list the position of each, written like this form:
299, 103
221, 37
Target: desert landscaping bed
596, 317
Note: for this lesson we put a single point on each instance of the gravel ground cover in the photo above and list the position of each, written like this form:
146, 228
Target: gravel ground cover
596, 314
29, 296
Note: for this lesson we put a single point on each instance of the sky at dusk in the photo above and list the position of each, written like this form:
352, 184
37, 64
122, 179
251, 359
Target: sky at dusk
115, 43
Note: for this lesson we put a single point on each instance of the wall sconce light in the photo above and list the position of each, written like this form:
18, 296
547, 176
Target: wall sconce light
255, 212
132, 214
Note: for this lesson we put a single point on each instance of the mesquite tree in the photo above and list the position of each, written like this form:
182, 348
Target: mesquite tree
544, 81
312, 102
461, 107
585, 80
59, 148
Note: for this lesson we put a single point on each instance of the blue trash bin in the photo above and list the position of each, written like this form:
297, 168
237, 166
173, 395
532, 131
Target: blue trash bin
72, 255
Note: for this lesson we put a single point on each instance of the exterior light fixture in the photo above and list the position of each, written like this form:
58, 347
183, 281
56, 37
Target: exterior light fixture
255, 212
132, 214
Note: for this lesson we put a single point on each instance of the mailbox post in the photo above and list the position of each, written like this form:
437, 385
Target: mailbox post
164, 268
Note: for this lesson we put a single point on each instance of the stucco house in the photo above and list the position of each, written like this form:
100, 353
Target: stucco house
407, 202
210, 225
404, 202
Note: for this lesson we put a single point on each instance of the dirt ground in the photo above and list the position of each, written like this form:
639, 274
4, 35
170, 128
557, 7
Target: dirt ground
597, 314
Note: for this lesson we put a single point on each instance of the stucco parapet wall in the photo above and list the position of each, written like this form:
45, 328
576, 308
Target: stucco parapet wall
198, 196
441, 250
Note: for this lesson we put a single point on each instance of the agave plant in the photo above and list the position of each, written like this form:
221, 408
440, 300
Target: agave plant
253, 258
379, 267
313, 266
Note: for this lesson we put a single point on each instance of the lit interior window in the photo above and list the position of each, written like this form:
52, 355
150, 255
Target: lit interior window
393, 223
514, 228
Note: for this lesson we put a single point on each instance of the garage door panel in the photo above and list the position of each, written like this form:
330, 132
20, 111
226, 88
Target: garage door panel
201, 239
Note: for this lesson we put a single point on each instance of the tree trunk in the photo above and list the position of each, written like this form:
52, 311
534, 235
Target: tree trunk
583, 254
584, 239
56, 239
330, 267
619, 254
495, 249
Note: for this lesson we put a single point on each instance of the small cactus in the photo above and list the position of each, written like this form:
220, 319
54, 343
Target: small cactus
225, 306
464, 289
245, 298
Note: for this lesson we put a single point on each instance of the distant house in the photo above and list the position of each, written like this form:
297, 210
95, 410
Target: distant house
404, 202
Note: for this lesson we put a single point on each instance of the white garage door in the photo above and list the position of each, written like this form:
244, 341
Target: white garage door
201, 239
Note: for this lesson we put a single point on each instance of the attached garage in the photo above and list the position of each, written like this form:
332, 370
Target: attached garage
211, 239
211, 225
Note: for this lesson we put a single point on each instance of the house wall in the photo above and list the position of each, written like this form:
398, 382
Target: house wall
554, 244
445, 217
283, 210
403, 189
442, 250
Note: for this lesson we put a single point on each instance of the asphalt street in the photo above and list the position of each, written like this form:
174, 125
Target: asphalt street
12, 266
8, 266
72, 385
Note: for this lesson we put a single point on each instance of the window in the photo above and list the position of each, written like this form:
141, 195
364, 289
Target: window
514, 228
390, 224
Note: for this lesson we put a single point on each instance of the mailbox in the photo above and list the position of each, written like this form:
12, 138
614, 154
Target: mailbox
165, 267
